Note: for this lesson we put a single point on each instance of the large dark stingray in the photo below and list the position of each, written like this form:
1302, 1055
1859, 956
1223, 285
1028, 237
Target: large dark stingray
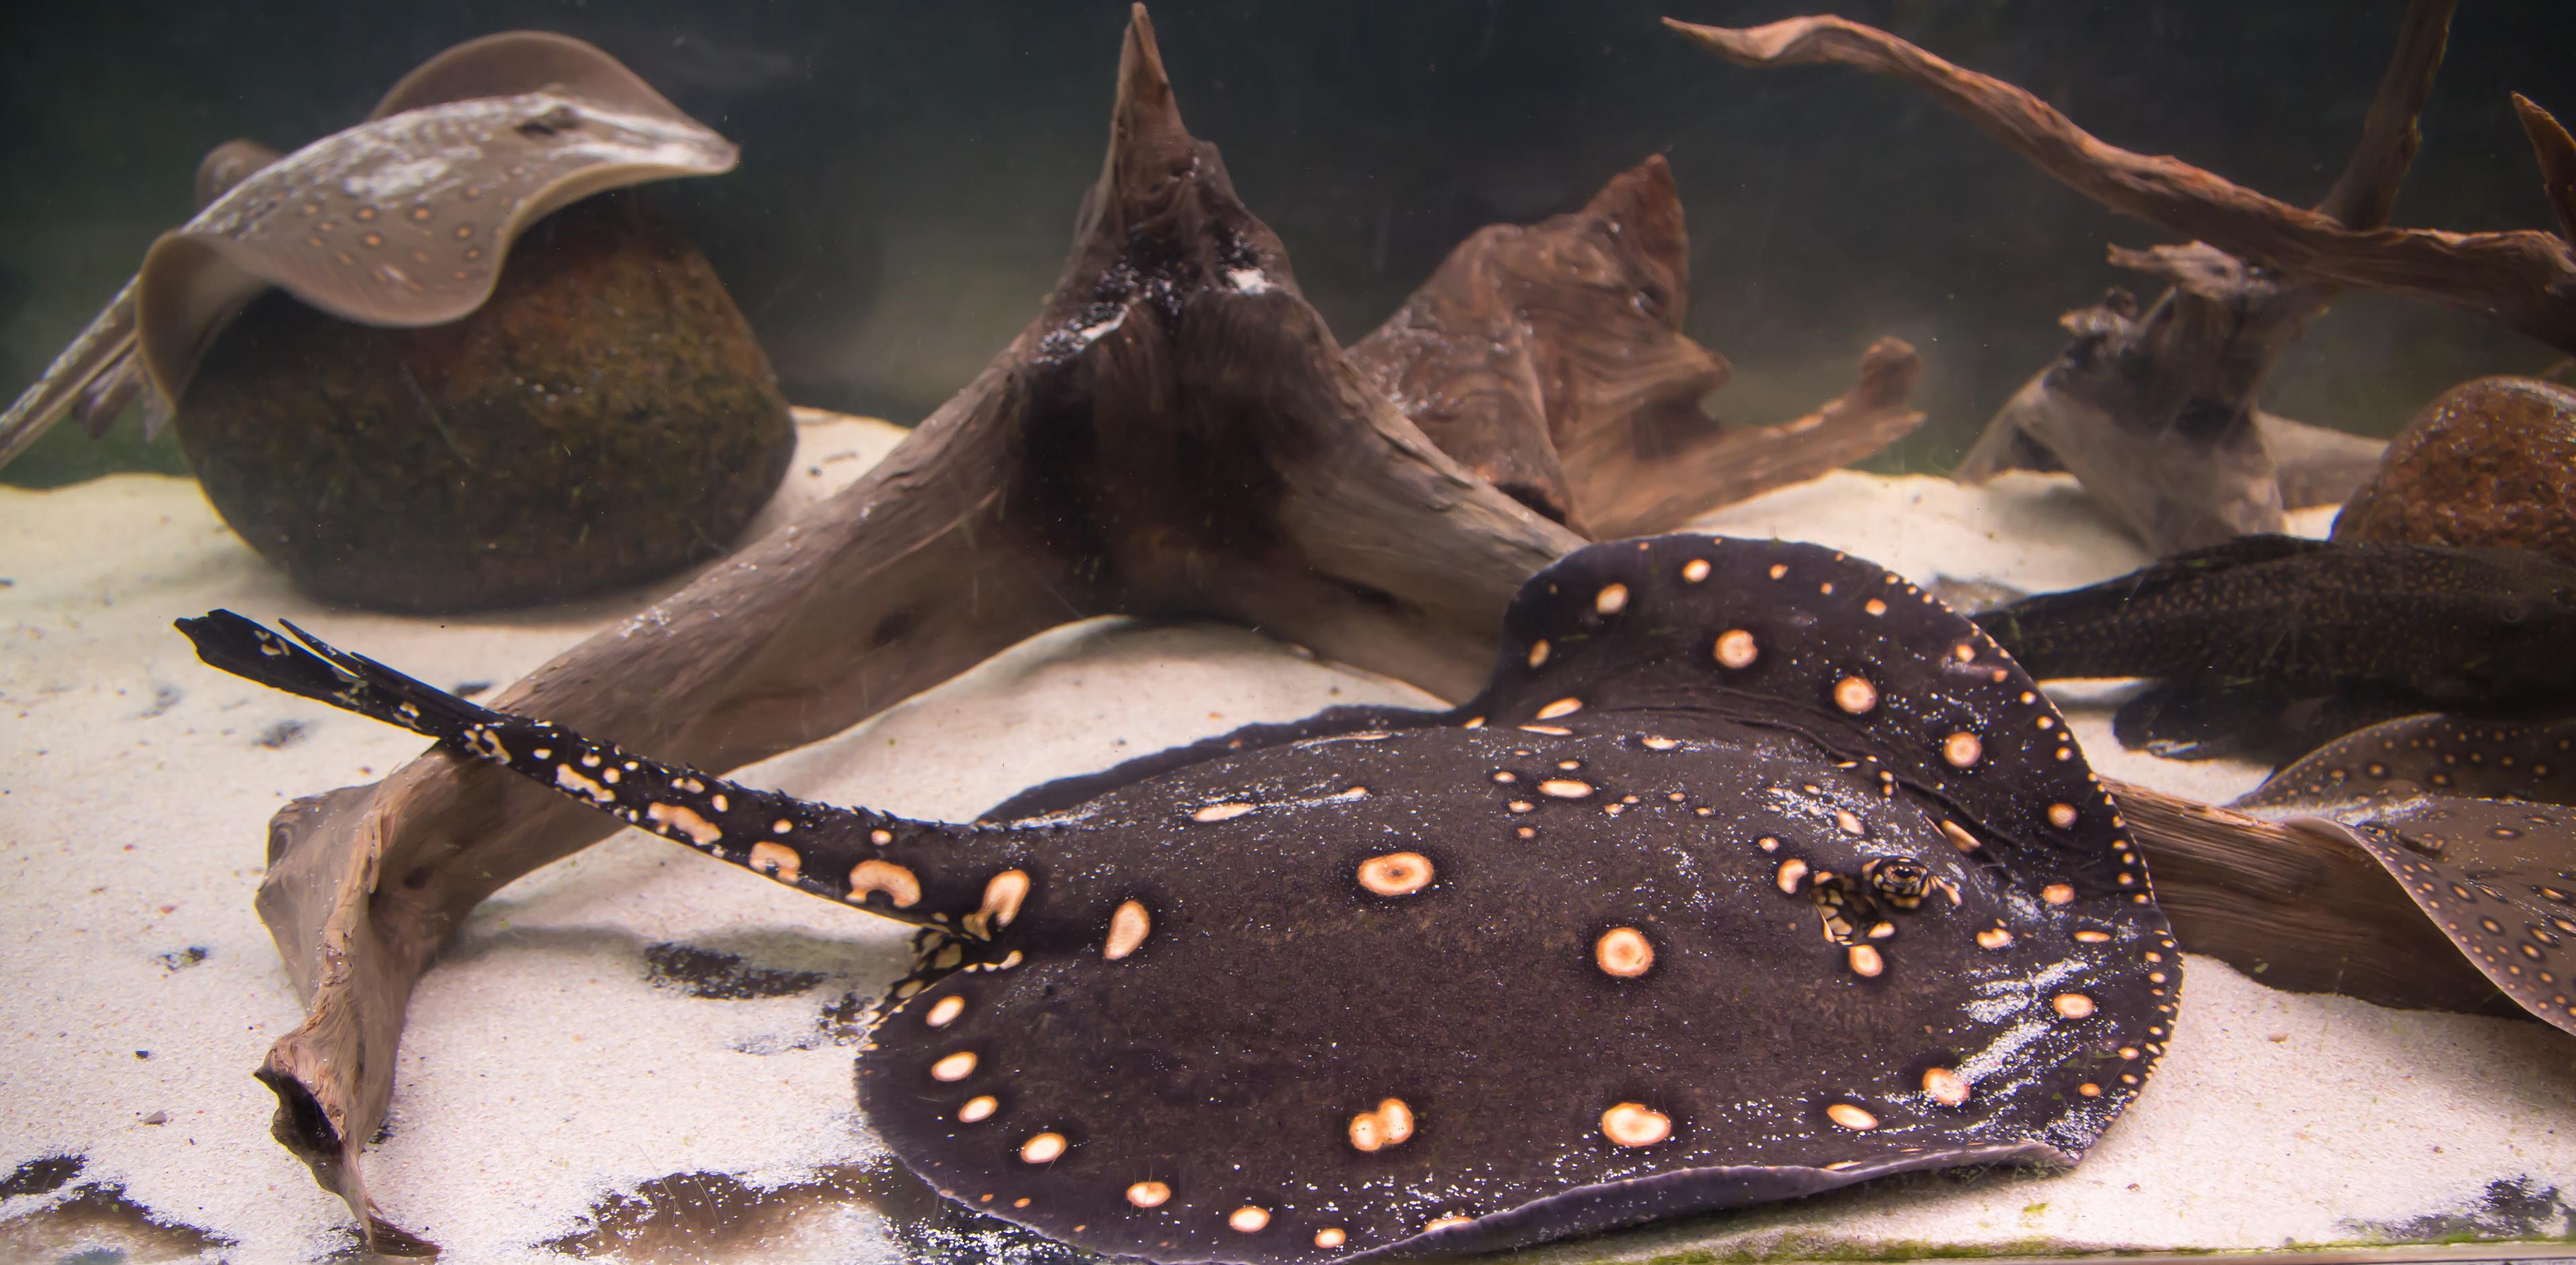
403, 220
2269, 646
1754, 872
2472, 819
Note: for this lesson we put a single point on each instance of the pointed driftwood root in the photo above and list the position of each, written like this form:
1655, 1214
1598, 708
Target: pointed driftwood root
1549, 360
2296, 910
2155, 413
1177, 435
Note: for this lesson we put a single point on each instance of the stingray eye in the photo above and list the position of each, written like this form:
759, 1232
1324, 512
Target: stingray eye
1902, 879
558, 118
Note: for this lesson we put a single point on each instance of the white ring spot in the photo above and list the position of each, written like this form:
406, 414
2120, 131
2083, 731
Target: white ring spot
1792, 871
1851, 1117
1396, 873
1635, 1124
1962, 749
1002, 896
1624, 952
776, 860
1735, 648
955, 1067
1854, 695
1389, 1125
2073, 1005
902, 890
1611, 600
1127, 930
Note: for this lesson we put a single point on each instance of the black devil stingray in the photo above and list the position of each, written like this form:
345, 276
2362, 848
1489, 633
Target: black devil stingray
2473, 820
1753, 873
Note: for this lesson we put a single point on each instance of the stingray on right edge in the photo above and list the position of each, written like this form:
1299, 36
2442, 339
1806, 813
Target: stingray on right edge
403, 220
2473, 820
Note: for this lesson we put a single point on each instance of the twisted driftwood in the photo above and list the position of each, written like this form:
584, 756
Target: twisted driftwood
1177, 435
2155, 412
1549, 360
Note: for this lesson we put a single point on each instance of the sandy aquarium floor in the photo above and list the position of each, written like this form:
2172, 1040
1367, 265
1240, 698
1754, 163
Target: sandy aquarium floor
561, 1053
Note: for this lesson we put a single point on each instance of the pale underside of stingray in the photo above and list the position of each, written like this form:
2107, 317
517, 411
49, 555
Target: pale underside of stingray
401, 221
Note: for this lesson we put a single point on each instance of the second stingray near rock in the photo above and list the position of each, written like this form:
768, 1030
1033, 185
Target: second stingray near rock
1753, 872
377, 405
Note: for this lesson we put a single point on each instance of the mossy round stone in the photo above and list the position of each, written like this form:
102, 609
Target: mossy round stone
2488, 462
605, 419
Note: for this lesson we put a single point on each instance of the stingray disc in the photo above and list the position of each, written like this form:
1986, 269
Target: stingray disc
1754, 873
2471, 818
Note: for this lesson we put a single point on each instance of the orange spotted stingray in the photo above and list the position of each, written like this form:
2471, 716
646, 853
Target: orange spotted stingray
1754, 872
2473, 819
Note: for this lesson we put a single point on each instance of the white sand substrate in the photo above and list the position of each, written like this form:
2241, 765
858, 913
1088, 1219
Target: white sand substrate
543, 1069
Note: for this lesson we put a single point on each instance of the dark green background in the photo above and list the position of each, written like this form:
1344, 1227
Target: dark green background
911, 169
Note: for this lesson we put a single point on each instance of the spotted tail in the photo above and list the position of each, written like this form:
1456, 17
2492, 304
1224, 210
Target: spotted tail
909, 870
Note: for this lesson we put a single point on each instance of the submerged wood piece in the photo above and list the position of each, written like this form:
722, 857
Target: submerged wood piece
2523, 279
2317, 465
1528, 339
1519, 910
1549, 359
2156, 414
1662, 474
1176, 435
403, 220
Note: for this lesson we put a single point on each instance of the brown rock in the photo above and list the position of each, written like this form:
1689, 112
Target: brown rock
2489, 462
605, 419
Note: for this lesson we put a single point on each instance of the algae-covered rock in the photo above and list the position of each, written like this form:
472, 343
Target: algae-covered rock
604, 419
2489, 462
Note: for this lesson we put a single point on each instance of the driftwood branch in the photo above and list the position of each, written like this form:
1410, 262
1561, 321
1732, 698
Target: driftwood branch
1177, 435
1549, 359
2156, 412
2523, 279
1656, 478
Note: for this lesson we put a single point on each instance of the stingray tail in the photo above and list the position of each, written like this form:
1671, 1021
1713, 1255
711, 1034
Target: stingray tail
837, 853
326, 674
92, 379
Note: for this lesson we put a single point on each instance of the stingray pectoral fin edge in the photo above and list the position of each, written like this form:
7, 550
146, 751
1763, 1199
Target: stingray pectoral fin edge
1637, 1201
